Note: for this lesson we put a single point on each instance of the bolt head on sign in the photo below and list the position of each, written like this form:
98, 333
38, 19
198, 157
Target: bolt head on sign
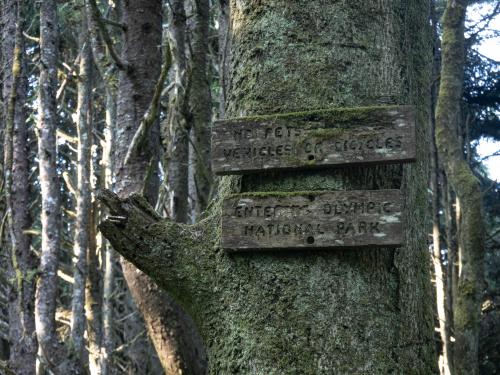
365, 135
312, 220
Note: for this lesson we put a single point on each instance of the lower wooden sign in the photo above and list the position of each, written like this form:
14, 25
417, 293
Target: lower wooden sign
312, 220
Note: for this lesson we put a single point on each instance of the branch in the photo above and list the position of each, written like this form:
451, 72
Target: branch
140, 136
96, 16
178, 257
69, 76
113, 23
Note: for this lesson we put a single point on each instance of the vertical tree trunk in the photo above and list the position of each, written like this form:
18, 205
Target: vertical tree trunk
45, 304
110, 259
83, 199
351, 311
223, 46
201, 107
170, 330
439, 274
467, 305
177, 139
23, 345
93, 297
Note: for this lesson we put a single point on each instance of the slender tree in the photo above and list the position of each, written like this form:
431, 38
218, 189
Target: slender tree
45, 304
200, 103
314, 311
170, 330
176, 140
467, 304
23, 346
83, 197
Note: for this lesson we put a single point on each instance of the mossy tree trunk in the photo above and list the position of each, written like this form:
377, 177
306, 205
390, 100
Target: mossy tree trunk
178, 347
23, 263
306, 312
467, 303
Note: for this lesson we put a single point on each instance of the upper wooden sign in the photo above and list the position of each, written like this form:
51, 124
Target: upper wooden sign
312, 220
314, 139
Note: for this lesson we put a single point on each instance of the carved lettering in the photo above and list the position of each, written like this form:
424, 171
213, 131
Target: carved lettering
315, 219
386, 135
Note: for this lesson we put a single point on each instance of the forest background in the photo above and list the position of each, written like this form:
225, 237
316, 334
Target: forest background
67, 300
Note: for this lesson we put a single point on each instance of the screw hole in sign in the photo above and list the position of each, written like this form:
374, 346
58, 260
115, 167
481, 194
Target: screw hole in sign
310, 240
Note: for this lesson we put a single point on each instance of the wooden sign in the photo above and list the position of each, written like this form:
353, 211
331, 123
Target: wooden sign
312, 220
314, 139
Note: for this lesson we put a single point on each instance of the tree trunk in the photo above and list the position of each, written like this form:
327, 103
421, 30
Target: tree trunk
108, 342
45, 304
326, 311
83, 200
200, 107
167, 324
23, 344
467, 305
94, 297
177, 140
439, 273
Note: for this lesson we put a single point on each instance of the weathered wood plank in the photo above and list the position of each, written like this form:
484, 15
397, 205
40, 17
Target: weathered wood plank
312, 220
314, 139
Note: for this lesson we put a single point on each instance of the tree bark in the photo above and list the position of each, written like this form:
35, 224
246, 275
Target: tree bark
45, 304
177, 351
321, 312
200, 102
439, 274
467, 305
108, 342
23, 344
94, 297
176, 142
83, 200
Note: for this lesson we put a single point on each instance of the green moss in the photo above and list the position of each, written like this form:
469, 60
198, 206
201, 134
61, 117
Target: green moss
339, 115
277, 194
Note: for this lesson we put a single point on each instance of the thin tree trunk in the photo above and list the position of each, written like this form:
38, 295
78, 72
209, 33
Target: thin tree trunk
45, 304
438, 265
23, 344
201, 107
177, 141
110, 259
83, 201
439, 274
93, 297
177, 351
451, 260
467, 305
223, 53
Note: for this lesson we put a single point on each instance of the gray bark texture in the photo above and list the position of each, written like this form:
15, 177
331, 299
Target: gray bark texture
176, 132
108, 342
200, 104
178, 347
49, 351
23, 263
83, 200
358, 311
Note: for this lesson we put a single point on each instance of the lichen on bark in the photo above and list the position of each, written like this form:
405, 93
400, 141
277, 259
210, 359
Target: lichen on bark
306, 312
